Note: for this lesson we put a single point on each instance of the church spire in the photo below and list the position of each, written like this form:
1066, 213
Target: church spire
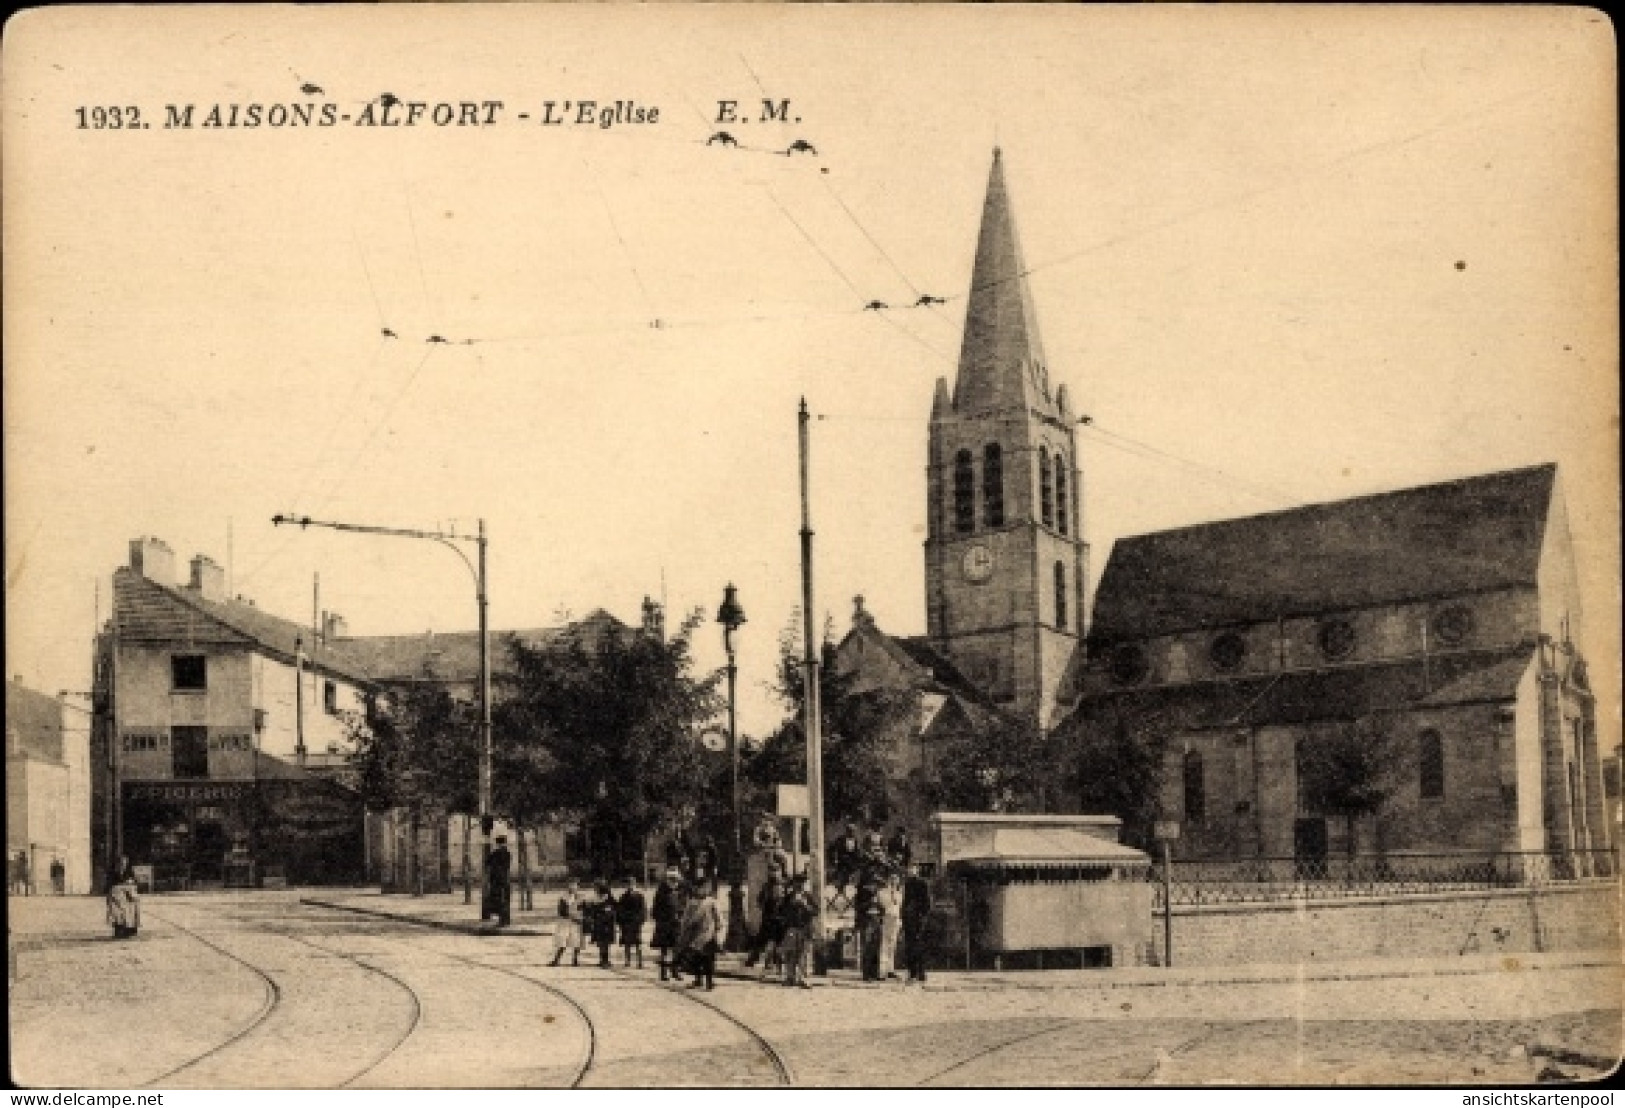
1001, 361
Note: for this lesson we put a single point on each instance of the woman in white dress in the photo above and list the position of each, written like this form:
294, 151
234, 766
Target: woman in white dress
890, 899
567, 928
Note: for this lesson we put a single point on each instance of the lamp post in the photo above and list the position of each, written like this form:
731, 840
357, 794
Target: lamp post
448, 539
731, 615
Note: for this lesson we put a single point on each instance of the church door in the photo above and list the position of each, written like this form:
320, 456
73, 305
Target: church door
1309, 843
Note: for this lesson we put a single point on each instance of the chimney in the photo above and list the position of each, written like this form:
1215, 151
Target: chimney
208, 579
335, 627
153, 559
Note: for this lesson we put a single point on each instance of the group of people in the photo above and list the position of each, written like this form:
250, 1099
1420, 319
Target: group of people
20, 878
888, 911
687, 926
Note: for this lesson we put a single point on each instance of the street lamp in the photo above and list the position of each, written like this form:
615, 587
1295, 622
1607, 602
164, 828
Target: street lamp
448, 539
731, 615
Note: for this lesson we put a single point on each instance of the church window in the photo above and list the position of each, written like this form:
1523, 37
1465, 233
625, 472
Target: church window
1452, 625
1060, 596
1195, 789
993, 484
1046, 489
1227, 652
1061, 520
1336, 639
964, 492
1431, 764
1128, 665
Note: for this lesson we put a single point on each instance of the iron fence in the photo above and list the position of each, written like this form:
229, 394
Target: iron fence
1254, 880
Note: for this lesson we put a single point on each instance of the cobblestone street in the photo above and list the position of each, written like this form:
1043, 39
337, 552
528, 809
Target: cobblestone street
261, 990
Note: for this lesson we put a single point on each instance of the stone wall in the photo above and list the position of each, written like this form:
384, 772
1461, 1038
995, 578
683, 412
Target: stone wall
1584, 916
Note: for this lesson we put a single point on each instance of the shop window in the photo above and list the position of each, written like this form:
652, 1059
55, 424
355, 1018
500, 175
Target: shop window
188, 673
1431, 765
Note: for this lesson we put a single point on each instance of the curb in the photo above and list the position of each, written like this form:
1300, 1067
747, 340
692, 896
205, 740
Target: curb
1075, 979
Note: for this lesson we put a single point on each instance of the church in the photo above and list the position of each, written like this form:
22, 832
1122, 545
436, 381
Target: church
1447, 617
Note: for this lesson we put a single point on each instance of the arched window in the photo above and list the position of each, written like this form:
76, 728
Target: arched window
993, 484
1061, 519
964, 492
1430, 764
1195, 789
1046, 488
1060, 596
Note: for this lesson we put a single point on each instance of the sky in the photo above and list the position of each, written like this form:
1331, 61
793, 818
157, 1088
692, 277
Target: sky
1279, 256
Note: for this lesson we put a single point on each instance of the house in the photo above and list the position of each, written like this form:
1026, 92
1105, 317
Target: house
48, 786
222, 728
225, 735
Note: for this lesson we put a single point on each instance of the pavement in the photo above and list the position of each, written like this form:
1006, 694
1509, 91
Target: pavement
448, 912
348, 988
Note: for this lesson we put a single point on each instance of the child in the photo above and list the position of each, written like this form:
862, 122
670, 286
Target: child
631, 913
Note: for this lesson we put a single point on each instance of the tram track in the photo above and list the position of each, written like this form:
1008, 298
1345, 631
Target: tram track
780, 1064
985, 1052
273, 998
412, 994
589, 1052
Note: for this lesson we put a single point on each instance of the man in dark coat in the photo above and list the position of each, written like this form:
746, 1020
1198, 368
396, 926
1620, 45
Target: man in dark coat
631, 913
844, 857
900, 849
601, 922
497, 890
916, 913
867, 917
668, 917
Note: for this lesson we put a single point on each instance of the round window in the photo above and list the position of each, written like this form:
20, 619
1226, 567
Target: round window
1129, 665
1452, 625
1227, 652
1336, 638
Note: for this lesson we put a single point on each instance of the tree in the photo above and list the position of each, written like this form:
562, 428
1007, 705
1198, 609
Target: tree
859, 732
1351, 769
1006, 766
416, 749
612, 725
1118, 766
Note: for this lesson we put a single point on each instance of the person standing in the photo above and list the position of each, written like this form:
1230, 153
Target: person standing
890, 899
844, 857
631, 913
770, 933
59, 876
498, 890
567, 929
124, 901
900, 849
866, 917
668, 917
701, 937
796, 915
601, 922
916, 916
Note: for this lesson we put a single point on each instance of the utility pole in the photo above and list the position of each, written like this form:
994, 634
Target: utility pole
448, 539
815, 747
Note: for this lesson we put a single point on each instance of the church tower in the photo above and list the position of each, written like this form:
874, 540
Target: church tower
1004, 559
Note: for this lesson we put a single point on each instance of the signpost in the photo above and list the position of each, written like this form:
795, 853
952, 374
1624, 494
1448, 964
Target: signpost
1166, 831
